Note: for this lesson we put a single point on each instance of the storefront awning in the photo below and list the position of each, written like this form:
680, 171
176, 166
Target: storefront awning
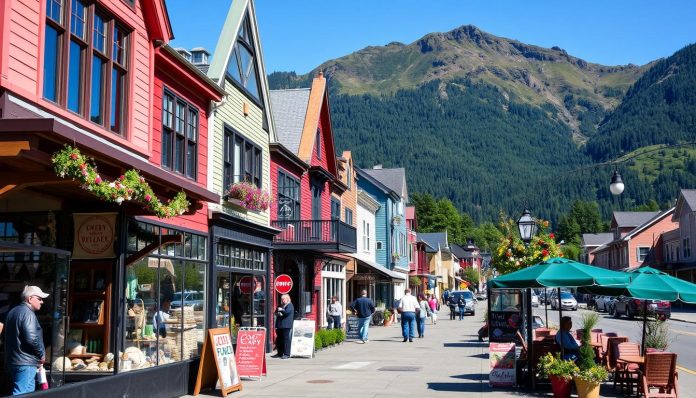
382, 270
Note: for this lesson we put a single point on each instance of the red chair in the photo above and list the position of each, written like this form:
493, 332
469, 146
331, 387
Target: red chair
604, 339
660, 373
626, 375
611, 356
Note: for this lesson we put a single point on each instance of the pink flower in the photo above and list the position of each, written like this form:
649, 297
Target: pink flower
97, 180
122, 177
552, 236
148, 198
73, 156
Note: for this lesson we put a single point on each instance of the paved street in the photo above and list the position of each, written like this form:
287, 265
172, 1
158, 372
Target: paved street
448, 362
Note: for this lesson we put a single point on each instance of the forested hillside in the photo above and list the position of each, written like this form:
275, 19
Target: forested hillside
660, 108
482, 140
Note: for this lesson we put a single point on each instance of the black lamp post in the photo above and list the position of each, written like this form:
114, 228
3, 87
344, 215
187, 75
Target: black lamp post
527, 226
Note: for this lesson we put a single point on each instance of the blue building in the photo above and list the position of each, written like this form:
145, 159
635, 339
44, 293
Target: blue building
389, 272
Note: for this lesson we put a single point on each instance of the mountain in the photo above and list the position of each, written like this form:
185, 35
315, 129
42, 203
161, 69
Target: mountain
660, 108
573, 91
492, 123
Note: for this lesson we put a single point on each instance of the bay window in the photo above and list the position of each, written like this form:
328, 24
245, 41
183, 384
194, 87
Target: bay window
85, 62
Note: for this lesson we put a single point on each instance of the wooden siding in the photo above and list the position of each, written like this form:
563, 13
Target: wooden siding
21, 66
381, 227
250, 126
399, 231
197, 221
349, 199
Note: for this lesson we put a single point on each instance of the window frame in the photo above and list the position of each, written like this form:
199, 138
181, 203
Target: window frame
346, 213
251, 48
60, 75
644, 256
174, 135
230, 136
284, 178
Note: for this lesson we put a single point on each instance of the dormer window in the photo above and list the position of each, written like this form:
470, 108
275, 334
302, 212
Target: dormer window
241, 67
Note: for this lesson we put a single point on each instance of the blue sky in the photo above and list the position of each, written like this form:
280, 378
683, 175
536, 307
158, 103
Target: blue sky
300, 35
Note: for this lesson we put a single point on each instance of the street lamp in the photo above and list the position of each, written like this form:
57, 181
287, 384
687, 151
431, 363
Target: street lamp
617, 186
527, 226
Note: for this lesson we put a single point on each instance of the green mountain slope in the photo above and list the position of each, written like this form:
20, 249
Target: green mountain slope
574, 92
660, 108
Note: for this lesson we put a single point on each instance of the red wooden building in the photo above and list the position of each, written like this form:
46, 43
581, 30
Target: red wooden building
107, 244
304, 176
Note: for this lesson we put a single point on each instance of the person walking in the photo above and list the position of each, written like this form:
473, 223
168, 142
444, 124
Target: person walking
408, 308
461, 304
285, 315
423, 314
452, 307
24, 347
335, 310
363, 307
434, 308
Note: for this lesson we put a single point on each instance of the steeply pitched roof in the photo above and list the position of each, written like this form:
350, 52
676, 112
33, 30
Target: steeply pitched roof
597, 239
659, 216
633, 218
394, 179
688, 197
289, 112
434, 239
459, 251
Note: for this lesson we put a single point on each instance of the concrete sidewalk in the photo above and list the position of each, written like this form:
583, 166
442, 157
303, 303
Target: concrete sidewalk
449, 361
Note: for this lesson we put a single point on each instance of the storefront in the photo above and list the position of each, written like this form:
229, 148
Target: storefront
240, 280
384, 286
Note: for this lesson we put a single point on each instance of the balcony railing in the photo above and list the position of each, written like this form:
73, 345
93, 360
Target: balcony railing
328, 236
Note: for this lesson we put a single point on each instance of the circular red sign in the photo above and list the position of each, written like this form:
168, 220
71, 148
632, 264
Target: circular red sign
283, 284
246, 285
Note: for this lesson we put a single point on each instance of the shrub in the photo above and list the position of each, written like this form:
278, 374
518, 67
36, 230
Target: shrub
337, 335
555, 366
589, 321
317, 342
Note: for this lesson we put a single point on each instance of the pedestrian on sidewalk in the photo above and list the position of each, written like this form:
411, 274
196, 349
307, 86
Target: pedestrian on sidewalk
408, 307
434, 308
423, 314
24, 347
452, 307
461, 304
334, 311
363, 307
285, 315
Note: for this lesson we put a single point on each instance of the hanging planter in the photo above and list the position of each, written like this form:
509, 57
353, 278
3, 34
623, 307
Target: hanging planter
396, 220
69, 162
247, 196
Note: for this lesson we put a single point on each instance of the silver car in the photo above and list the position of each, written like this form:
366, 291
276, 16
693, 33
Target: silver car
567, 302
602, 303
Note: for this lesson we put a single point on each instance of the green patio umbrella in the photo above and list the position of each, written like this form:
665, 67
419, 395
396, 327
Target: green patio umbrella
560, 272
648, 283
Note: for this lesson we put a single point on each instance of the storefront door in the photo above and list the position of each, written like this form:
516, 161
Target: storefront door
241, 300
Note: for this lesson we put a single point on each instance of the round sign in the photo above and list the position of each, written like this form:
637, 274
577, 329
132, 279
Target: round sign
246, 285
283, 284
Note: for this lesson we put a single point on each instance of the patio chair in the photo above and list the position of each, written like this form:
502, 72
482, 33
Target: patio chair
612, 351
604, 339
596, 333
626, 374
540, 349
660, 373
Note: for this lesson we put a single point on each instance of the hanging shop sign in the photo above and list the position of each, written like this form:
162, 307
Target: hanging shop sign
502, 364
218, 366
95, 234
247, 285
251, 352
283, 284
302, 344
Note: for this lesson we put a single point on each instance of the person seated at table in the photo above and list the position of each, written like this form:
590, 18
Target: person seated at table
565, 339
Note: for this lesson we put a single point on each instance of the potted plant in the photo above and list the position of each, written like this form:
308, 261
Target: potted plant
591, 375
387, 317
560, 372
396, 256
656, 335
396, 220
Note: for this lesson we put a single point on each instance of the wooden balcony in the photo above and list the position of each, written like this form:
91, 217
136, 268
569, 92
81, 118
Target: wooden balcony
325, 236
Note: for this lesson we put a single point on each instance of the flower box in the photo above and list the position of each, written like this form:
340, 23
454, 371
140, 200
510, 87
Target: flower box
247, 196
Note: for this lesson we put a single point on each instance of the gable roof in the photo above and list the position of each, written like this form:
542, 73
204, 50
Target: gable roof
686, 197
157, 20
597, 239
394, 179
459, 251
318, 105
648, 223
289, 112
365, 177
225, 45
633, 219
436, 240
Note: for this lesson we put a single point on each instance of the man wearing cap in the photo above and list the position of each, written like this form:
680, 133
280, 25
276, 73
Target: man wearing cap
24, 349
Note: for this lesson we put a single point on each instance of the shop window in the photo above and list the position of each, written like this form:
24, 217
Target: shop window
241, 300
85, 66
242, 257
243, 160
288, 196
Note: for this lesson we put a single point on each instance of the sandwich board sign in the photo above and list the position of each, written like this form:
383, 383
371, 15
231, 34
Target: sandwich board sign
218, 365
251, 352
302, 344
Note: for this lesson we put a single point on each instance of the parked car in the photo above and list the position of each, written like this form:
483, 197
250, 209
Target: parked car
480, 296
631, 307
603, 303
470, 306
193, 299
535, 299
567, 301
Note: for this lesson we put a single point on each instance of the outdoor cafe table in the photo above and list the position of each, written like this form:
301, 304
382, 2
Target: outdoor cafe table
637, 359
